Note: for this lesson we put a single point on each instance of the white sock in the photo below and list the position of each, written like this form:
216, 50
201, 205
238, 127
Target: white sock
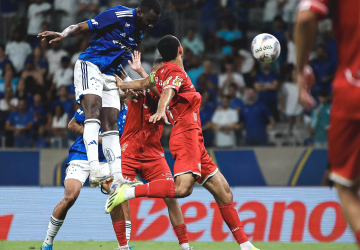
246, 246
91, 141
53, 229
184, 246
129, 193
128, 230
112, 152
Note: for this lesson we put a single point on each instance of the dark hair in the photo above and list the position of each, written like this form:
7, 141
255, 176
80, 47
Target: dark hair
158, 60
2, 46
168, 47
62, 109
229, 60
278, 18
147, 5
12, 68
321, 46
233, 85
65, 59
226, 97
324, 93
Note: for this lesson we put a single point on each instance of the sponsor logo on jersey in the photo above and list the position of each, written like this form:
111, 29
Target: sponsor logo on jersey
93, 21
127, 25
92, 143
125, 13
127, 49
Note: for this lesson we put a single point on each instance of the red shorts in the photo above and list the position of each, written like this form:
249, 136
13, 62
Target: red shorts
190, 155
344, 151
149, 170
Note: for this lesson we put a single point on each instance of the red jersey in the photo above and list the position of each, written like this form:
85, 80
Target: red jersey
346, 83
141, 139
183, 110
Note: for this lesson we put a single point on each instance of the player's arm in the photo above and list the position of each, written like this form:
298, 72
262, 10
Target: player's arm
164, 102
70, 31
135, 64
140, 84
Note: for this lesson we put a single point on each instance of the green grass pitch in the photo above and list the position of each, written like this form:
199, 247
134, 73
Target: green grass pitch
152, 245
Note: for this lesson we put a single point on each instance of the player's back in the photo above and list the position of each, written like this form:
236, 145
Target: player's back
141, 139
115, 38
346, 83
183, 110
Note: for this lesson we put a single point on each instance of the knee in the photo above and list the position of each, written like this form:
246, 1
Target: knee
69, 199
91, 110
183, 191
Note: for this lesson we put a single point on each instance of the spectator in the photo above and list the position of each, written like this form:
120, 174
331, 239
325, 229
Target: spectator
208, 71
87, 9
36, 16
20, 122
54, 56
230, 76
241, 9
254, 117
8, 13
17, 50
63, 76
225, 121
31, 71
270, 11
229, 35
282, 35
324, 70
330, 44
266, 84
65, 101
8, 103
193, 42
58, 124
8, 78
290, 103
208, 14
204, 85
195, 72
207, 110
39, 111
40, 62
320, 120
235, 103
3, 59
66, 11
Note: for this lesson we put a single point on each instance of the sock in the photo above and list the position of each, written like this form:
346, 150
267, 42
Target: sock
357, 235
91, 141
246, 246
53, 229
231, 218
112, 152
181, 234
119, 228
128, 230
156, 189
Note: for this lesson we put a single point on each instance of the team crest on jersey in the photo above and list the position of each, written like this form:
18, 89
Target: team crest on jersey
93, 22
156, 79
177, 81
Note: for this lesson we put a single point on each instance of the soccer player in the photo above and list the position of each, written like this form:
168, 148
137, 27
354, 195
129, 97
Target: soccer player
344, 133
117, 32
180, 101
76, 174
148, 159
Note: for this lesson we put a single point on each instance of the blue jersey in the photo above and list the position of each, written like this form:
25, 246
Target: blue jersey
115, 38
78, 150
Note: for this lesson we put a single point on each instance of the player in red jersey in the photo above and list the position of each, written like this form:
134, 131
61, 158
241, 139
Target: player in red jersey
344, 133
148, 159
180, 101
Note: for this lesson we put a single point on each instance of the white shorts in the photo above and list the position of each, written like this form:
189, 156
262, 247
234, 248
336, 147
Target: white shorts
88, 79
80, 170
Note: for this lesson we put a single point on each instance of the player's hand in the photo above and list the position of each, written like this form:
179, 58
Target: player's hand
57, 36
306, 80
132, 95
159, 116
136, 61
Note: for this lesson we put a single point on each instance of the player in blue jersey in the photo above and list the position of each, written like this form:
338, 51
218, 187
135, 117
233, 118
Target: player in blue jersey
117, 33
76, 174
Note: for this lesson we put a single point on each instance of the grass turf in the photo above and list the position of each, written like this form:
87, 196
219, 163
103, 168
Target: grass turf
152, 245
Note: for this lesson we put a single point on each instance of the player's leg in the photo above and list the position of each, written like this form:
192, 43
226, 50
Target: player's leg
74, 180
110, 132
88, 88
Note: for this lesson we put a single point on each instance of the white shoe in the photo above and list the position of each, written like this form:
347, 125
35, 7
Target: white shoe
116, 184
124, 248
99, 177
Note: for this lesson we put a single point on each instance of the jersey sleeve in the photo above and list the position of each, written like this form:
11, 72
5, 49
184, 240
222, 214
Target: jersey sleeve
79, 115
174, 80
108, 17
319, 6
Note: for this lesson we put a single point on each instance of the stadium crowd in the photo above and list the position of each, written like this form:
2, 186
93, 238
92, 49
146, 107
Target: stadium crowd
244, 102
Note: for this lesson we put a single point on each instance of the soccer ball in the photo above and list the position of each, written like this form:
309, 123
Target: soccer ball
265, 48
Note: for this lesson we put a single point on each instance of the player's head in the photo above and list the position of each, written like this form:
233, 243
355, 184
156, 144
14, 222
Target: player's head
22, 106
147, 14
169, 48
158, 63
225, 101
251, 97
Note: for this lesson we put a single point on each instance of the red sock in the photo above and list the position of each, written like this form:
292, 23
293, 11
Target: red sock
181, 233
156, 189
119, 228
231, 218
357, 235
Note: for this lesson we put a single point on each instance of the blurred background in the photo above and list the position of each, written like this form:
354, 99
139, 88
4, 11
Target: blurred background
257, 135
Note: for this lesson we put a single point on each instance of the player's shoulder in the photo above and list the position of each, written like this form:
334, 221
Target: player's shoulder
171, 68
122, 11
